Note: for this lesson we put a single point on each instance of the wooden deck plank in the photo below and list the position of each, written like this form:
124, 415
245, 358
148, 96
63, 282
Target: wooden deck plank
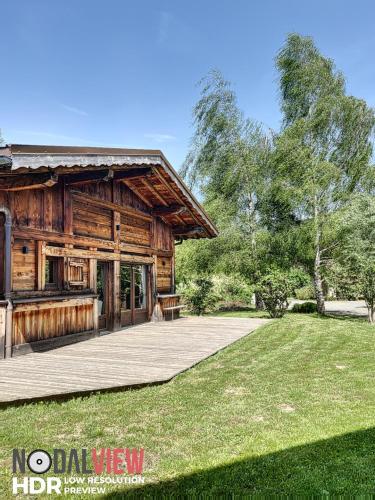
143, 354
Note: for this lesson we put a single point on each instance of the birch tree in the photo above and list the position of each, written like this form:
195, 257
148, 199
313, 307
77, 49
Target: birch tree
323, 152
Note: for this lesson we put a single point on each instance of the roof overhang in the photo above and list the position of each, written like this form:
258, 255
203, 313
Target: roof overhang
20, 159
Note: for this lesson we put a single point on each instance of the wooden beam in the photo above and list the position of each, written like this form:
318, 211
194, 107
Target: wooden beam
187, 230
47, 208
40, 258
95, 255
115, 285
135, 173
171, 210
138, 193
116, 228
176, 195
67, 210
28, 181
154, 191
25, 232
126, 210
89, 177
92, 272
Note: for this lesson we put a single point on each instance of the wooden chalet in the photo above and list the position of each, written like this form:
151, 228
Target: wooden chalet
87, 239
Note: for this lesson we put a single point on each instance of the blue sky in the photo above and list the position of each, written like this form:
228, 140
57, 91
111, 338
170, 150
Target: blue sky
124, 73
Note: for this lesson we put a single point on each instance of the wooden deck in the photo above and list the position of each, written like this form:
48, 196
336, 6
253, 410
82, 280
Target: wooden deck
145, 354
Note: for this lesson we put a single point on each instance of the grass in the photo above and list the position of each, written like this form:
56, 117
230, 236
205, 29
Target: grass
290, 409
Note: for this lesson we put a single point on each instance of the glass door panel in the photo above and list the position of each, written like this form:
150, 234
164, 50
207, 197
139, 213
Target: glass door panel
139, 287
133, 294
125, 286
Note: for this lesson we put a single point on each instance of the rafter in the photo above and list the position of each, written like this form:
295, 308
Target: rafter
28, 181
151, 188
137, 192
176, 196
171, 210
187, 230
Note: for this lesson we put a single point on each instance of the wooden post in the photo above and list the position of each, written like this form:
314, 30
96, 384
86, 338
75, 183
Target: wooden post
68, 210
47, 206
41, 263
116, 227
116, 295
95, 319
2, 330
8, 330
173, 276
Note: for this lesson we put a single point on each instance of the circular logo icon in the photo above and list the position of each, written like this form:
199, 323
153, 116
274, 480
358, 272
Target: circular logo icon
39, 461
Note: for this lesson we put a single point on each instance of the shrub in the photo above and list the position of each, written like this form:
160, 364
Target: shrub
368, 289
305, 307
344, 281
274, 289
298, 278
198, 295
305, 293
233, 292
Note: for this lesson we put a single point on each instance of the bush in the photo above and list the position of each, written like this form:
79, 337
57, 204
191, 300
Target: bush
298, 279
305, 293
368, 289
344, 281
233, 292
305, 307
198, 295
274, 289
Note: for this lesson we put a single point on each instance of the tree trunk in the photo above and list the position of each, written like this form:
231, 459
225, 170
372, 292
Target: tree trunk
259, 304
318, 283
371, 313
319, 295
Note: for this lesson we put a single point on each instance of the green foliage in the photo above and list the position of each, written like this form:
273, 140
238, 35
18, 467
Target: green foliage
198, 295
274, 289
351, 272
232, 291
323, 153
343, 280
298, 278
304, 308
305, 293
368, 289
275, 197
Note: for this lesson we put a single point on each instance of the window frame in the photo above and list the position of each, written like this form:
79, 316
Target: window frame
57, 282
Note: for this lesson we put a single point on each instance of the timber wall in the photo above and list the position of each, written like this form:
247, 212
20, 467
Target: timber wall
79, 225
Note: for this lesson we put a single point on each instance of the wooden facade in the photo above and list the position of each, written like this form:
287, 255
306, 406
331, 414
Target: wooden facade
87, 240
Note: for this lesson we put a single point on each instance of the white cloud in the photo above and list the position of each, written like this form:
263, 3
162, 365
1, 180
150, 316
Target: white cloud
74, 110
160, 137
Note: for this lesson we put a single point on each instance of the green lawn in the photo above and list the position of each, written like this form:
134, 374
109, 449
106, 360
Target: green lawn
288, 409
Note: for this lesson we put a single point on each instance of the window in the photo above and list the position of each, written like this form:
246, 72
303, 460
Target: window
133, 289
52, 273
125, 286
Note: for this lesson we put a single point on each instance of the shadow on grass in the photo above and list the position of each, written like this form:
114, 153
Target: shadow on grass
344, 316
343, 464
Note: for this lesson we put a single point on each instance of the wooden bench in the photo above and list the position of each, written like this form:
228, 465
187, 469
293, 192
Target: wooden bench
174, 308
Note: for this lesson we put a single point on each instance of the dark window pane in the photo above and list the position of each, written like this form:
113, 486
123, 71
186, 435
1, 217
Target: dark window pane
51, 271
100, 288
